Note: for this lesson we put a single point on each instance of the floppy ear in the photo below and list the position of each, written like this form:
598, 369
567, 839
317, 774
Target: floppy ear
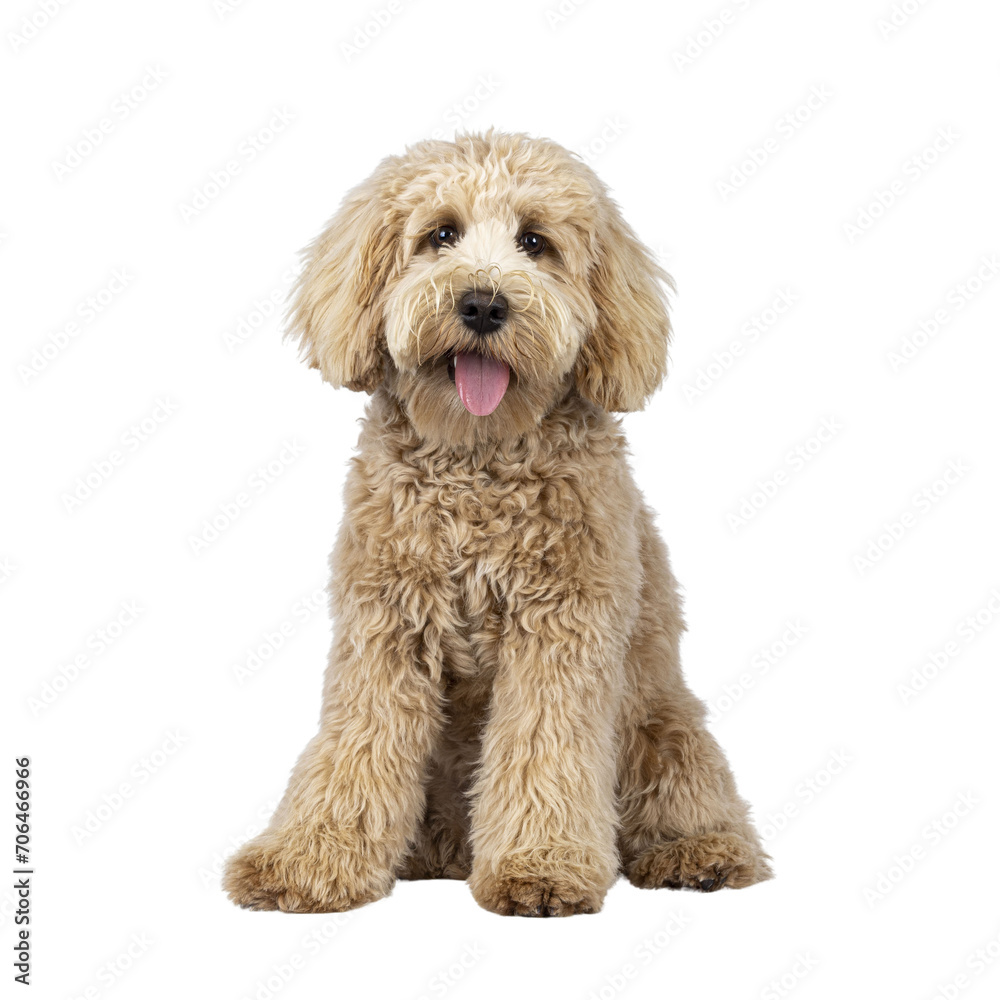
624, 358
336, 310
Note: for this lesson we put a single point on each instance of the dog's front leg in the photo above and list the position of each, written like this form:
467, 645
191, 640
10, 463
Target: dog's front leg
544, 819
356, 793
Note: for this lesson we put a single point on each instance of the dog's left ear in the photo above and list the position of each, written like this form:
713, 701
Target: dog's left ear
336, 309
624, 358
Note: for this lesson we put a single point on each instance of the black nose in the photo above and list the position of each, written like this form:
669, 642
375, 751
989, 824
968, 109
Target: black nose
483, 312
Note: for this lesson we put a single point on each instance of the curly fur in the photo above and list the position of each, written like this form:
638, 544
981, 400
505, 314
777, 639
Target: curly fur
504, 701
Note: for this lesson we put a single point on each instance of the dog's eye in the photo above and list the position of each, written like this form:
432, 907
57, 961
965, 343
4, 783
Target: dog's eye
444, 236
531, 243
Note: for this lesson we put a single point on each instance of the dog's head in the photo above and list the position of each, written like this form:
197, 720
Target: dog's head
481, 281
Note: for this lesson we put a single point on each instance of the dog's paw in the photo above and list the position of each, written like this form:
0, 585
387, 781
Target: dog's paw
302, 871
417, 867
707, 862
437, 852
536, 896
540, 886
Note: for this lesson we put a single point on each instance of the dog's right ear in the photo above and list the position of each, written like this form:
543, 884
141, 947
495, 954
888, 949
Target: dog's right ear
336, 309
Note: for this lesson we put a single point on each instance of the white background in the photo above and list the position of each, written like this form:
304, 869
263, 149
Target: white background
885, 880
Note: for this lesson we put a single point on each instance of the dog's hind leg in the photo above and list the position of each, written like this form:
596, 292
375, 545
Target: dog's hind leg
683, 823
441, 845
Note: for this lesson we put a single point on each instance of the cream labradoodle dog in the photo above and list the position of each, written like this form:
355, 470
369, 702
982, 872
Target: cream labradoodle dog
504, 701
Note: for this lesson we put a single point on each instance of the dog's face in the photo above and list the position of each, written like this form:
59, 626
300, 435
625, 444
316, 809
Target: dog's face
481, 281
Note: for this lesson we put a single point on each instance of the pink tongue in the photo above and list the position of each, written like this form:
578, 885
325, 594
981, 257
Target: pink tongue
481, 382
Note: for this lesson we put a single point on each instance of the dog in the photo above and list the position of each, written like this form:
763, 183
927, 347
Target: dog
504, 700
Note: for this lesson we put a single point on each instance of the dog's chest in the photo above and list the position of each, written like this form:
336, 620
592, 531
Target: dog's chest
482, 523
485, 539
463, 551
481, 535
